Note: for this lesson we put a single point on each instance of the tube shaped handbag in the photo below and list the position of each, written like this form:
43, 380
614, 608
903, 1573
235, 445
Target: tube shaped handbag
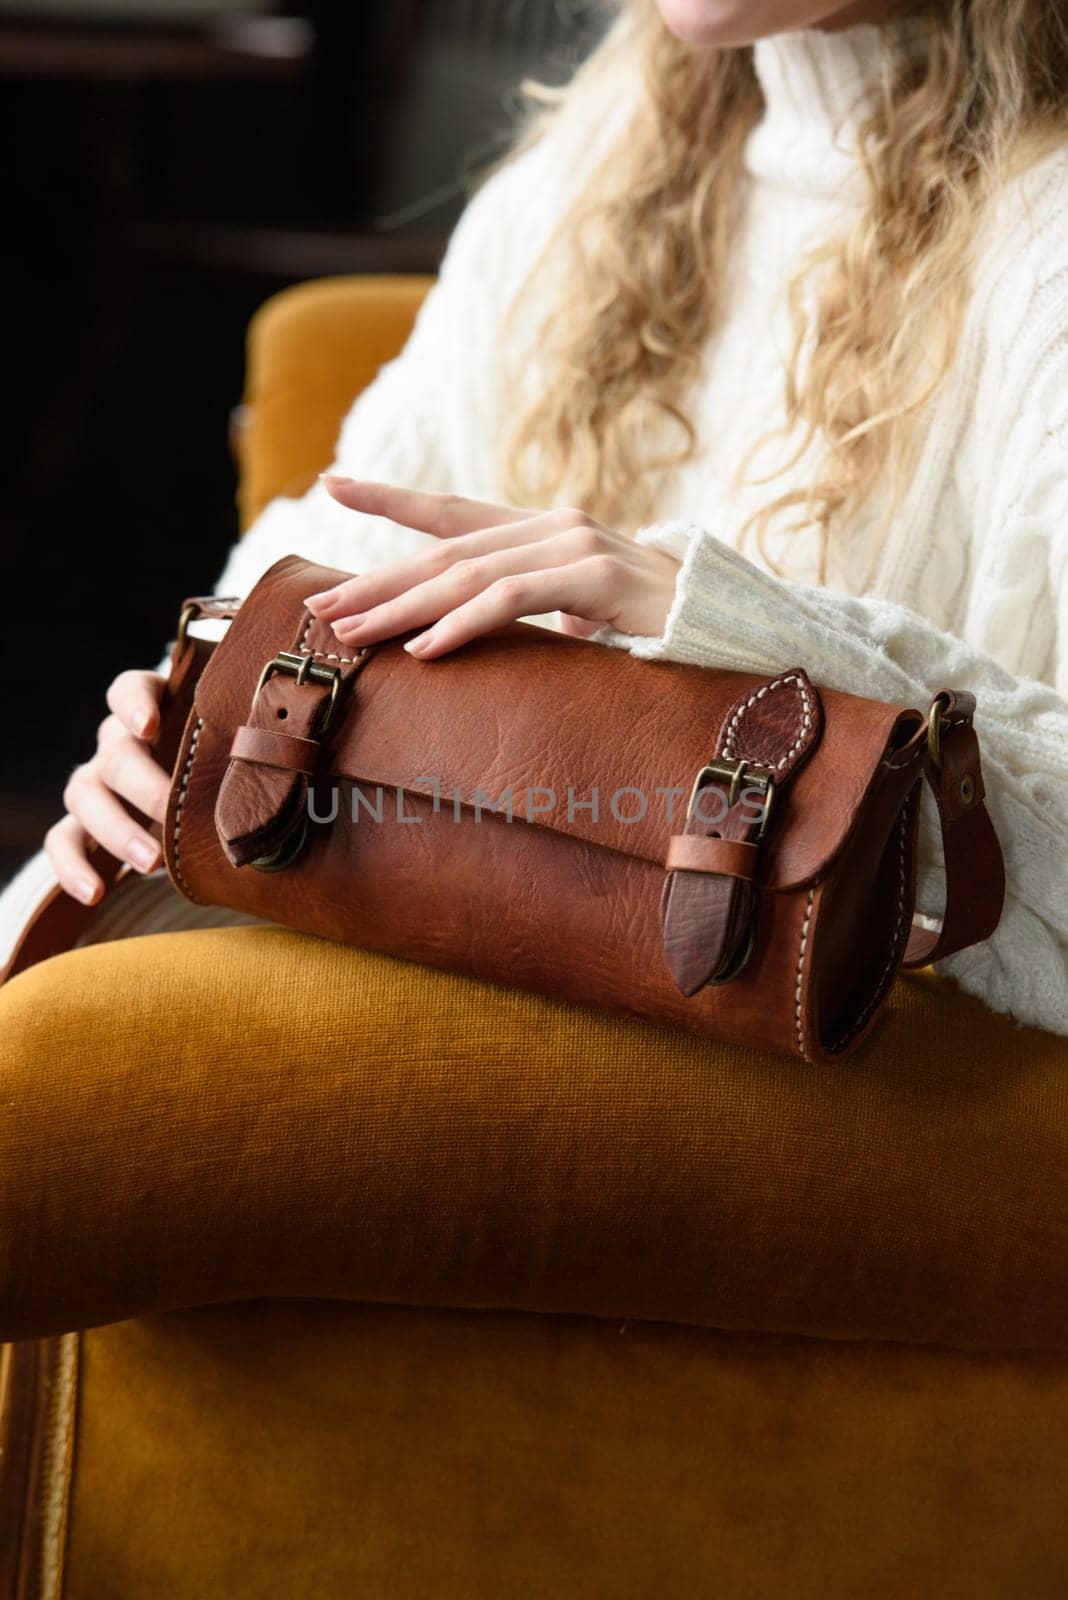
712, 850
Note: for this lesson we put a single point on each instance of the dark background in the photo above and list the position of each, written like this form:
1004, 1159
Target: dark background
169, 164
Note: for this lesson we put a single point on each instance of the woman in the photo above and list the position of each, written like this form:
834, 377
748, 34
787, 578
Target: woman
787, 283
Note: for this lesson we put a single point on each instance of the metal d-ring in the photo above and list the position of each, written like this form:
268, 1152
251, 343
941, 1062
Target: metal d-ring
934, 729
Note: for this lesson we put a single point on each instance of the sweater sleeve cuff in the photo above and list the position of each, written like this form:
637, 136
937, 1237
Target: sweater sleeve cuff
683, 541
726, 612
674, 537
714, 590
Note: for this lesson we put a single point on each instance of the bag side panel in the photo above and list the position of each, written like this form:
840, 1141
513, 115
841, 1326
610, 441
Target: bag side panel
862, 920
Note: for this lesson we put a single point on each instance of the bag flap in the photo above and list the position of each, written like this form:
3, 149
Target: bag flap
562, 724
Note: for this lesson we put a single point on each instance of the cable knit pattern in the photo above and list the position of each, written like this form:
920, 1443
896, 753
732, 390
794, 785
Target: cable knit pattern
971, 586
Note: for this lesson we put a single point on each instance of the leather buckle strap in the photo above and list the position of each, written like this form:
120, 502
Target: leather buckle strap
305, 670
737, 774
261, 809
288, 752
711, 895
736, 857
273, 749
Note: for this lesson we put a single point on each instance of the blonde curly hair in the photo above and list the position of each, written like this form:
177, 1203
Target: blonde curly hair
642, 252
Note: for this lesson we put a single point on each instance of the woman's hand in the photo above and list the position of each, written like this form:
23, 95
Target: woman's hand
492, 566
122, 767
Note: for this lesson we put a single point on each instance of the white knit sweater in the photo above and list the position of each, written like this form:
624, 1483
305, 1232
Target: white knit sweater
970, 588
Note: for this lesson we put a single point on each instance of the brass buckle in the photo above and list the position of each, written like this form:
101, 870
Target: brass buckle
934, 730
305, 670
735, 773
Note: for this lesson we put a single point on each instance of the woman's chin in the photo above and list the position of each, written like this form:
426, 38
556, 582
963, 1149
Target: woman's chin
705, 22
724, 24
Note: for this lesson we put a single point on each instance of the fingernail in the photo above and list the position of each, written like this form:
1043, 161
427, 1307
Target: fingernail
85, 889
348, 624
334, 480
140, 855
421, 643
144, 725
314, 601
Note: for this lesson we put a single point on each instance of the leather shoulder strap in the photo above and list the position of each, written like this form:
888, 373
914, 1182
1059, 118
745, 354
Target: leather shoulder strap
975, 867
59, 921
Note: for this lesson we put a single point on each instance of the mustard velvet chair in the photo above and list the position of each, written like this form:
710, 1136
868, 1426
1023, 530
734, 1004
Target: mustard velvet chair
396, 1285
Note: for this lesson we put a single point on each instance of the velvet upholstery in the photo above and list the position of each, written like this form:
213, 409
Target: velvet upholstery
618, 1313
310, 350
269, 1451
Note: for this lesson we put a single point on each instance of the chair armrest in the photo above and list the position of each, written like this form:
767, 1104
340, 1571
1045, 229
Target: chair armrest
311, 350
217, 1115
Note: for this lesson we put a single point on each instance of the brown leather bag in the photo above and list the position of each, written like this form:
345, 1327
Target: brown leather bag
707, 849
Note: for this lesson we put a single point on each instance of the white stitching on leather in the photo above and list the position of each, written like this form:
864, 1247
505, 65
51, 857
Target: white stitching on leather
880, 985
305, 649
321, 655
179, 804
758, 694
801, 974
